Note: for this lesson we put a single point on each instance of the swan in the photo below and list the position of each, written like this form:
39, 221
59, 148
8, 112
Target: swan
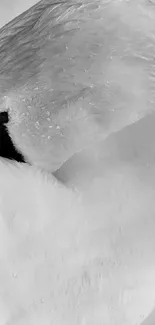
77, 215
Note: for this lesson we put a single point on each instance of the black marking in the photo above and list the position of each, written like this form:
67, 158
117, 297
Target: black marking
7, 149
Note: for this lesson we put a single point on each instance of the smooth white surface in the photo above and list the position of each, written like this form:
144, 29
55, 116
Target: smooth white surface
87, 256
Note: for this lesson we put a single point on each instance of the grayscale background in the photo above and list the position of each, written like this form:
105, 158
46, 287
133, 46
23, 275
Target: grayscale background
9, 9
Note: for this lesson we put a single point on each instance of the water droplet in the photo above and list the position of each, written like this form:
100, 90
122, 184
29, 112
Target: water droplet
14, 275
33, 305
37, 124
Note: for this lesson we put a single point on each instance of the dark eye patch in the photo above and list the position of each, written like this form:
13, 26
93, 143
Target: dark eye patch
7, 149
4, 118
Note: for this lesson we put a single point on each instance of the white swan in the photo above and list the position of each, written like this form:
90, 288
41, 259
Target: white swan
84, 256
